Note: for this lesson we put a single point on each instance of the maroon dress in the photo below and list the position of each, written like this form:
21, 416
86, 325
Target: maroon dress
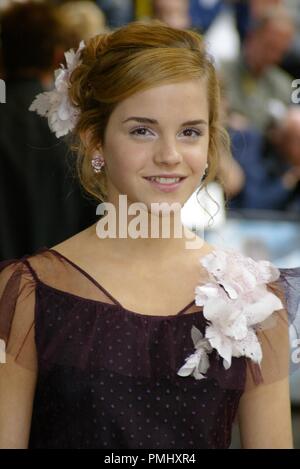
107, 376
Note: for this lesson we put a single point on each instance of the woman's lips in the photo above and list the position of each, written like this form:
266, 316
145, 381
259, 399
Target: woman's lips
164, 187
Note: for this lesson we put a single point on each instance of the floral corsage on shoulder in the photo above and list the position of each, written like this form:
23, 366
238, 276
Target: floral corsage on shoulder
236, 303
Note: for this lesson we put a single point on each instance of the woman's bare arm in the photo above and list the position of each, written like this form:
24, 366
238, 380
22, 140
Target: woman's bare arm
265, 417
17, 387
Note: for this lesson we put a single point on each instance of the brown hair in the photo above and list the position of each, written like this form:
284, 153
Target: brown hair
128, 60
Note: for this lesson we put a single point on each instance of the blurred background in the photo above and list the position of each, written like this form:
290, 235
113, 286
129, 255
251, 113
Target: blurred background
256, 49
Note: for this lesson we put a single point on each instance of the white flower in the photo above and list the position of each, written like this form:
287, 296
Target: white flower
56, 105
236, 273
235, 303
208, 291
197, 364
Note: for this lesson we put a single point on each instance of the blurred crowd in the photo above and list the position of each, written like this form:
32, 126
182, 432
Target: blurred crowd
40, 201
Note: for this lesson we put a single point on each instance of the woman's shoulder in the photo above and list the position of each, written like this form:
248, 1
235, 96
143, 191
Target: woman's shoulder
41, 264
77, 245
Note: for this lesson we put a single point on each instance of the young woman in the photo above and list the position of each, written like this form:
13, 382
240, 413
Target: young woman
133, 340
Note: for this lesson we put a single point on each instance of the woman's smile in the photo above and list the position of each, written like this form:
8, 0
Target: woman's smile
166, 184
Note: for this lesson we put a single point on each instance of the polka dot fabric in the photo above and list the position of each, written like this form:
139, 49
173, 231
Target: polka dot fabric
107, 376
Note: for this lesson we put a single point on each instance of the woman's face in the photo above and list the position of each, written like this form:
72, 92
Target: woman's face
160, 131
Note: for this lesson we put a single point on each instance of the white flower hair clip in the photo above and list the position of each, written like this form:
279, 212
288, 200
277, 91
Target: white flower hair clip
56, 105
236, 303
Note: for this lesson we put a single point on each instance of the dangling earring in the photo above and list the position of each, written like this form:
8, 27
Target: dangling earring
97, 163
205, 173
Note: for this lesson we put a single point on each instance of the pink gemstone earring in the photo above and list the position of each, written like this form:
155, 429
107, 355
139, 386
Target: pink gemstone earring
97, 163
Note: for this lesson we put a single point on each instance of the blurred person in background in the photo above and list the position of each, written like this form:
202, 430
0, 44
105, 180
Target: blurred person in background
205, 12
271, 165
255, 85
250, 11
291, 61
40, 202
82, 20
175, 13
282, 154
117, 12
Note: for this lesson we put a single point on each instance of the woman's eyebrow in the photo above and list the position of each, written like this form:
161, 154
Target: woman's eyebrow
146, 120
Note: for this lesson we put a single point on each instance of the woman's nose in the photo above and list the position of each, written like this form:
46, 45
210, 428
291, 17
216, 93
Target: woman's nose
167, 152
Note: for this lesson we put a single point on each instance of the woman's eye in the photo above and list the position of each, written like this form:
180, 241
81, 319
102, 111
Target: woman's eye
196, 133
139, 131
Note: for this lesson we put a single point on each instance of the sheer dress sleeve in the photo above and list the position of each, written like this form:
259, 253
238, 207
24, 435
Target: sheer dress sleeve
279, 337
17, 306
